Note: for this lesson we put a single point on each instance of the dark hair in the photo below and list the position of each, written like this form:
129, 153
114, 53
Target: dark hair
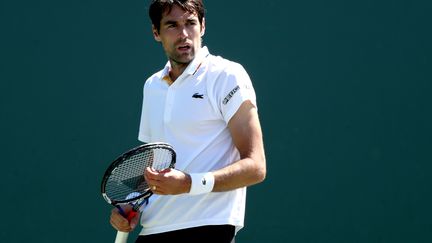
158, 7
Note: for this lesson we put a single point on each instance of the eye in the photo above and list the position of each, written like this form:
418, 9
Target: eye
192, 22
170, 25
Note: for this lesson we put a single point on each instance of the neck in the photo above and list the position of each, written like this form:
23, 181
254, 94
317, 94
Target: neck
177, 69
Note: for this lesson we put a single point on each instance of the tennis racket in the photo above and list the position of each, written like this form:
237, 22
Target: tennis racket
123, 182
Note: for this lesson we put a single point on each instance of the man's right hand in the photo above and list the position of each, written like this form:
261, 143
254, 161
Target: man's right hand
120, 223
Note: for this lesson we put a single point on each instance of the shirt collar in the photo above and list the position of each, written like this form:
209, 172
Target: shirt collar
196, 63
193, 65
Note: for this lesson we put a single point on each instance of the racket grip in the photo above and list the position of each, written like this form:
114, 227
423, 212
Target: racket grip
131, 215
121, 237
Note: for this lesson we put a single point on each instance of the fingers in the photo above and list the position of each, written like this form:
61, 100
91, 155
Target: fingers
122, 224
156, 188
154, 179
153, 174
119, 222
150, 175
159, 190
167, 182
134, 221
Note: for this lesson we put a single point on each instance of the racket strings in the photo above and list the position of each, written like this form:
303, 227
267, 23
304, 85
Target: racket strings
128, 177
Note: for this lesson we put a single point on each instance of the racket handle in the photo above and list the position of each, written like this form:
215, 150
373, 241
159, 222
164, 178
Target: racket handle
121, 237
131, 215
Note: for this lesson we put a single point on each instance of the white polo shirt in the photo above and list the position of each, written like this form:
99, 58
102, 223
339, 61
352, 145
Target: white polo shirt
192, 115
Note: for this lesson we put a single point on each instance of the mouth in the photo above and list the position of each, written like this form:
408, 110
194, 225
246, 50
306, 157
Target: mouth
184, 47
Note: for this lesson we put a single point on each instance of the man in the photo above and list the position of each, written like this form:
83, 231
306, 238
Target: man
204, 106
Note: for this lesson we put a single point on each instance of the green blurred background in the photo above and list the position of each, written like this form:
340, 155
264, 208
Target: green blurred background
344, 94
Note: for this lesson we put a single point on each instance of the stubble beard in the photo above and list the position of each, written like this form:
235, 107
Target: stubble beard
182, 59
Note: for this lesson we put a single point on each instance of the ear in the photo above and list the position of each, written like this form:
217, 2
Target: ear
156, 34
203, 27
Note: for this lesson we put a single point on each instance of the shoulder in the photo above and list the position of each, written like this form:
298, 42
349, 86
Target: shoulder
227, 73
226, 77
154, 79
220, 65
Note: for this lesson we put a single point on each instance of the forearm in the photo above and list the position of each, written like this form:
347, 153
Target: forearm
245, 172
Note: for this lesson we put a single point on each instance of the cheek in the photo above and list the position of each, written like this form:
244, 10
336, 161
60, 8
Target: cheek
166, 43
168, 39
167, 48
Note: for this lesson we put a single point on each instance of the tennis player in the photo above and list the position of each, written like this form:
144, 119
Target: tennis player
205, 107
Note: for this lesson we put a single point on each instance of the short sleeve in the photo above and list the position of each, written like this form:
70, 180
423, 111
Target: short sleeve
235, 87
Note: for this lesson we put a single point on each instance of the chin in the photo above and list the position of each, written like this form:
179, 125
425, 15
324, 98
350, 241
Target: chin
184, 60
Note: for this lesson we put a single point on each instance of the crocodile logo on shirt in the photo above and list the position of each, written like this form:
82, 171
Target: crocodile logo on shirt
198, 96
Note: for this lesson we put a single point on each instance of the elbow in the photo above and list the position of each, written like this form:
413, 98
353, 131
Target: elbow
261, 174
260, 171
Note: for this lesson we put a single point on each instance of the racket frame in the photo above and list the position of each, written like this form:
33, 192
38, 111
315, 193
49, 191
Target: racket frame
112, 167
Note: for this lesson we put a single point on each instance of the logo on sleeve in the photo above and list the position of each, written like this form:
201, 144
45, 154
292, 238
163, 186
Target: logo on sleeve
230, 95
203, 181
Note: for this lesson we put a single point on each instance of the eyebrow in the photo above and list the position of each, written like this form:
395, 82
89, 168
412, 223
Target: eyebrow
168, 22
188, 19
192, 19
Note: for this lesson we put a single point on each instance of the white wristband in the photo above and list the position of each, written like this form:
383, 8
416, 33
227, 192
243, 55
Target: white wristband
201, 183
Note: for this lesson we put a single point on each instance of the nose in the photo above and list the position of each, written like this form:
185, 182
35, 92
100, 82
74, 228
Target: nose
183, 32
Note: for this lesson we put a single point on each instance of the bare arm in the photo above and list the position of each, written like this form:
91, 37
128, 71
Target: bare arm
246, 132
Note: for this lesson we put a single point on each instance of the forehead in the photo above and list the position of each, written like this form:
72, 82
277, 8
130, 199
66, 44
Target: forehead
176, 14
